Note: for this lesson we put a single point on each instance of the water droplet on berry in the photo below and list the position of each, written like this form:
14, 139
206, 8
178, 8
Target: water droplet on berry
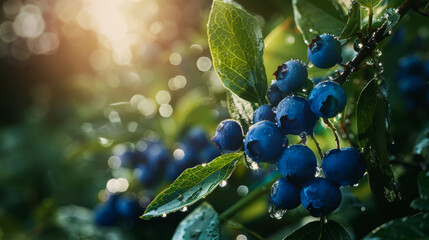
275, 212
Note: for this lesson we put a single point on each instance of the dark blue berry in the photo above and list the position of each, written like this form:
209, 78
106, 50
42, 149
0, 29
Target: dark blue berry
327, 99
344, 166
209, 153
105, 214
291, 76
128, 207
265, 142
294, 116
297, 163
410, 65
264, 112
285, 194
324, 51
187, 158
131, 158
229, 136
320, 196
275, 95
197, 138
411, 86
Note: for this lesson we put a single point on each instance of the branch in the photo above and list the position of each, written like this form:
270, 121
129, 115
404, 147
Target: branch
367, 49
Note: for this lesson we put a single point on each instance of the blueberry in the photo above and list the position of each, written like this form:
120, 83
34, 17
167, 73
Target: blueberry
285, 194
324, 51
291, 76
411, 86
264, 112
185, 157
410, 65
275, 95
294, 116
131, 158
197, 138
344, 166
297, 163
209, 153
105, 214
327, 99
320, 197
229, 136
317, 80
264, 142
128, 207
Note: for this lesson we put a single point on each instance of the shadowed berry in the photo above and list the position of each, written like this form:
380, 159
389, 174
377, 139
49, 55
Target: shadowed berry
197, 138
297, 163
324, 51
291, 76
229, 136
128, 207
344, 166
327, 99
264, 112
285, 194
320, 197
209, 153
264, 142
105, 214
294, 116
275, 95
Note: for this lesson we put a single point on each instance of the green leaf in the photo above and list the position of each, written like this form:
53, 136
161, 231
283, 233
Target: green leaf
241, 110
420, 204
192, 185
423, 184
369, 3
392, 18
414, 227
200, 224
372, 112
237, 48
320, 231
353, 22
314, 17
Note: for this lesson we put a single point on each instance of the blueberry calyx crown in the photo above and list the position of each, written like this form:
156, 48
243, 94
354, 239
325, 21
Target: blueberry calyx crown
280, 72
314, 41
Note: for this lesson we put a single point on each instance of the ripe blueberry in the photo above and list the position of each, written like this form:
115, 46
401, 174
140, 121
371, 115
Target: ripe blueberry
197, 138
186, 157
264, 142
128, 207
411, 86
229, 136
327, 99
344, 166
209, 153
105, 214
264, 112
410, 65
294, 116
324, 51
320, 196
285, 194
297, 163
291, 76
275, 95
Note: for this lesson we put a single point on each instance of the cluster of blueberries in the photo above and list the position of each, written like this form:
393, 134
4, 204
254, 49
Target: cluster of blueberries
412, 79
266, 139
151, 163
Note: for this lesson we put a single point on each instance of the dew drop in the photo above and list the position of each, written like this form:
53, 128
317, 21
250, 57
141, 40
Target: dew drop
184, 209
325, 220
223, 183
310, 30
363, 209
164, 215
356, 185
204, 165
275, 212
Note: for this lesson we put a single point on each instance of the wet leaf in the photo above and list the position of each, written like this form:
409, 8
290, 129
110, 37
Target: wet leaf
241, 110
392, 18
200, 224
192, 185
420, 204
320, 231
237, 48
369, 3
314, 17
414, 227
372, 113
353, 22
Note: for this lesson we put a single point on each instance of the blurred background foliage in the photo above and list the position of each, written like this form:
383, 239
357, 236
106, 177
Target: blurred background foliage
83, 82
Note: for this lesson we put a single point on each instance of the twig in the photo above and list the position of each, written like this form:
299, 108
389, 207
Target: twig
334, 131
317, 145
368, 47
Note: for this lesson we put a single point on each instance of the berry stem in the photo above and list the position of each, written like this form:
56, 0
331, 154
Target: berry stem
370, 45
334, 131
370, 15
317, 145
261, 189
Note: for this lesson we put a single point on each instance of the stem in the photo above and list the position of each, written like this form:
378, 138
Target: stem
241, 227
263, 187
317, 145
370, 15
334, 131
370, 45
